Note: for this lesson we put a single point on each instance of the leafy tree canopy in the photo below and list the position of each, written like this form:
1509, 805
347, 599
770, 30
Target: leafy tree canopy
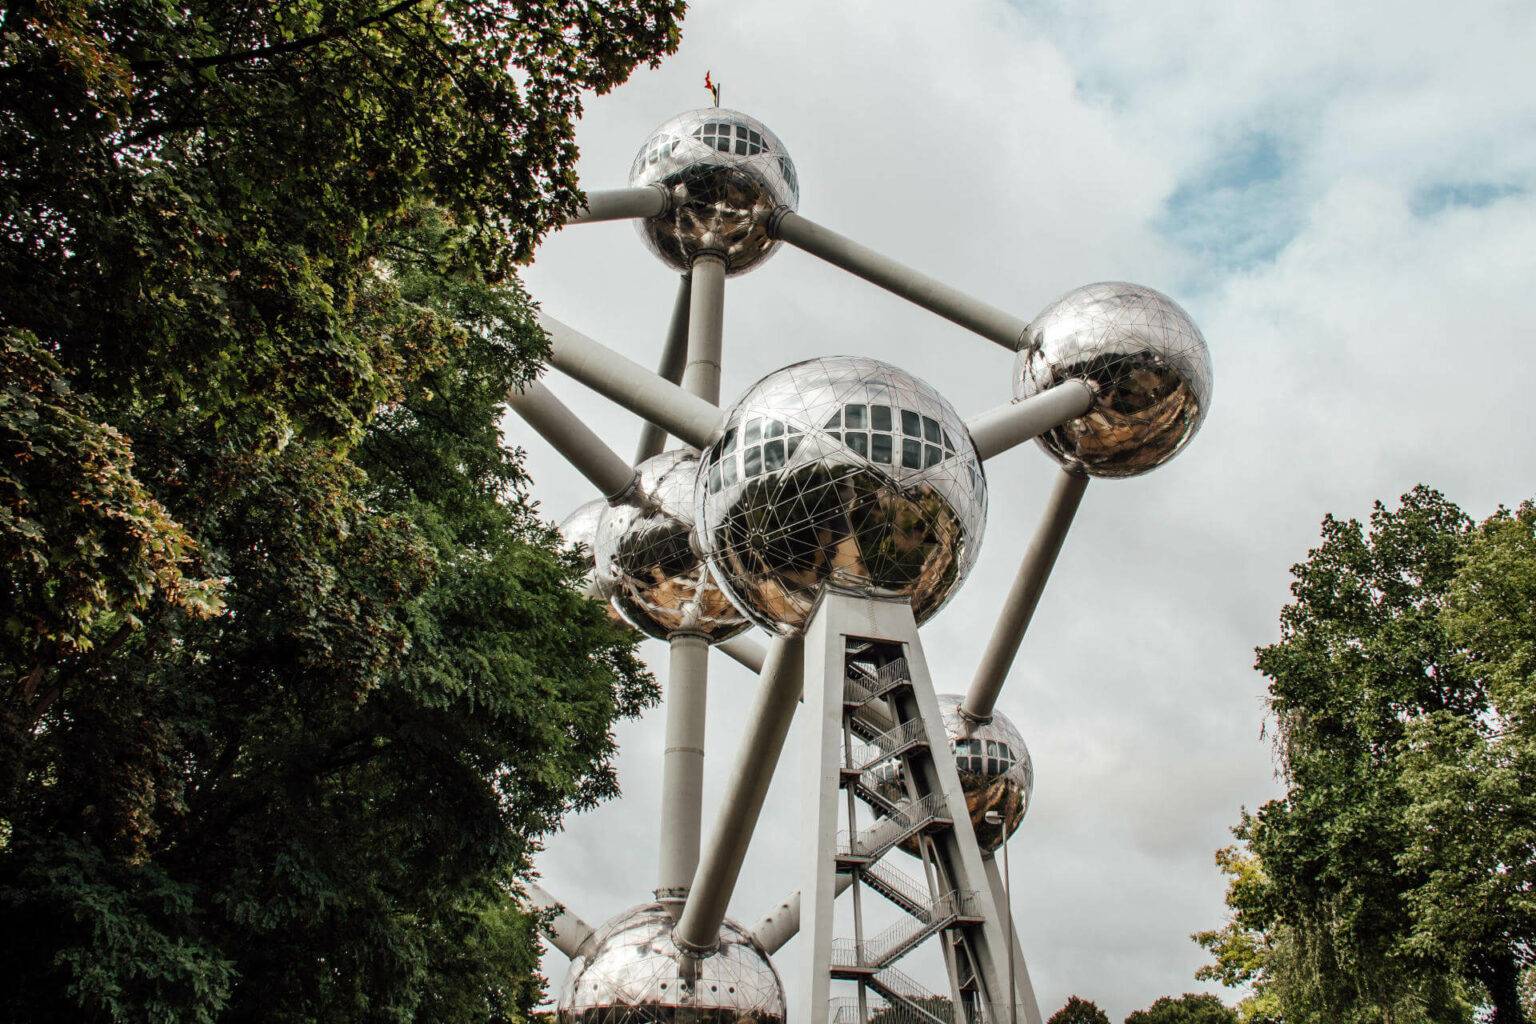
1190, 1008
1077, 1010
1392, 881
294, 676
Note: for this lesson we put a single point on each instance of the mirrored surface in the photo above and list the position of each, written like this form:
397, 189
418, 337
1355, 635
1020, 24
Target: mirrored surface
726, 174
841, 471
646, 563
637, 975
995, 768
1146, 359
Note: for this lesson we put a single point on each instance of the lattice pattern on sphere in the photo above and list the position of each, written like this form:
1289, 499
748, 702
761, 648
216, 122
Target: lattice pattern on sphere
726, 174
1148, 361
646, 565
637, 975
841, 471
996, 772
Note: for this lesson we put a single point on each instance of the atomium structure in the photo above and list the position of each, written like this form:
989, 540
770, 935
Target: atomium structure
836, 506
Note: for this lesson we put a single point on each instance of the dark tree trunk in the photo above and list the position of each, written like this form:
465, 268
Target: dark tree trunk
1500, 975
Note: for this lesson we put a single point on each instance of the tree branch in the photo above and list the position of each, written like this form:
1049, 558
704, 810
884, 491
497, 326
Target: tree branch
292, 45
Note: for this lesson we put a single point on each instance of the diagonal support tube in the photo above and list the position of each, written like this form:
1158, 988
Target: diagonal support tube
572, 438
674, 353
952, 304
570, 934
1024, 596
687, 417
782, 923
1008, 426
698, 930
623, 204
744, 651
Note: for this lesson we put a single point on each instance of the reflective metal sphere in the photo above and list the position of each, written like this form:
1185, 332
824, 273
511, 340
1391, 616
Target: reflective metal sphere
637, 975
840, 471
646, 565
996, 773
579, 529
1146, 358
726, 174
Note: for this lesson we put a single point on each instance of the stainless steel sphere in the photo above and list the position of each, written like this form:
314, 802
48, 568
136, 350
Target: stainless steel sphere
726, 174
579, 530
646, 564
996, 773
1148, 361
637, 975
840, 471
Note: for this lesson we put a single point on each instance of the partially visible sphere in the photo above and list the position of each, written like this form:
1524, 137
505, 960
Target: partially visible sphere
844, 472
579, 531
646, 563
1148, 362
996, 773
727, 174
637, 975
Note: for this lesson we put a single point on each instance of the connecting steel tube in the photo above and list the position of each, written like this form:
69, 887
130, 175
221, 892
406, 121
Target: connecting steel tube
682, 768
706, 323
1008, 426
782, 923
1024, 596
744, 651
952, 304
623, 204
572, 438
687, 417
674, 353
698, 930
570, 934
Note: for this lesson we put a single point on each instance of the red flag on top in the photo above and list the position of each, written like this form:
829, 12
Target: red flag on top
714, 89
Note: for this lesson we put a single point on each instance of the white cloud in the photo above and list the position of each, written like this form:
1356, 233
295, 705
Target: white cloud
1017, 152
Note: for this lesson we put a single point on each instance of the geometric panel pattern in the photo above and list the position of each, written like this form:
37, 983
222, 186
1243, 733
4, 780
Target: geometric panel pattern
637, 975
1147, 362
646, 565
841, 471
726, 174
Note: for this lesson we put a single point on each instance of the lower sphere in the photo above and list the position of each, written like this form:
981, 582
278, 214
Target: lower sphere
637, 975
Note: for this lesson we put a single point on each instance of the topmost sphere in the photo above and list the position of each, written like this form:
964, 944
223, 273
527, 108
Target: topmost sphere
1146, 360
726, 174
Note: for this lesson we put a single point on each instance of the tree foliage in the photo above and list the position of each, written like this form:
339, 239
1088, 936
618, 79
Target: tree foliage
1392, 882
1190, 1008
294, 676
1077, 1010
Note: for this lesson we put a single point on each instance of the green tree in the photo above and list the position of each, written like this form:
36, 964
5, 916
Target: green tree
1077, 1010
294, 676
1190, 1008
1391, 882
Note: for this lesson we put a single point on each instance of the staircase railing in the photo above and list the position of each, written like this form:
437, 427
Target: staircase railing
865, 754
886, 948
907, 818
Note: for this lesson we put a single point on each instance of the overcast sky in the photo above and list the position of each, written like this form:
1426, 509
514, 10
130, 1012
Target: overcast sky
1340, 195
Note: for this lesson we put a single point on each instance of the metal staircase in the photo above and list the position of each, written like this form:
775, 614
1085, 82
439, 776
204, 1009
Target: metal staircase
880, 745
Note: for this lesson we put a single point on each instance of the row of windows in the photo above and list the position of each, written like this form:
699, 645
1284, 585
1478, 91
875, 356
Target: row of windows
983, 757
767, 444
878, 417
718, 134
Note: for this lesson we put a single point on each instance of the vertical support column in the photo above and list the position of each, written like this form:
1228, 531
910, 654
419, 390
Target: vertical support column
706, 322
1024, 989
682, 769
824, 658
